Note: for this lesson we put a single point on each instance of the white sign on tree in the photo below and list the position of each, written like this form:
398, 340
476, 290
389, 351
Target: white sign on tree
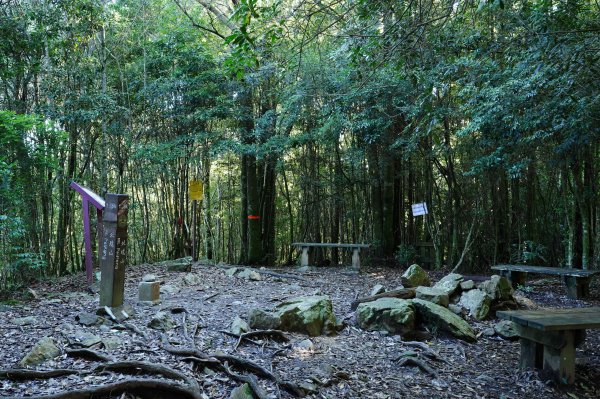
419, 209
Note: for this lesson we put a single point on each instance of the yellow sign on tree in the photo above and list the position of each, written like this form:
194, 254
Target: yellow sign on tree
196, 190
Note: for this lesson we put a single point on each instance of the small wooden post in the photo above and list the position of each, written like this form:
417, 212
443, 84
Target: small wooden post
113, 253
194, 231
304, 257
356, 258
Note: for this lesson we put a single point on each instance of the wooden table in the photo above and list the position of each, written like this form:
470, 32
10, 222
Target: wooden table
576, 280
549, 337
354, 247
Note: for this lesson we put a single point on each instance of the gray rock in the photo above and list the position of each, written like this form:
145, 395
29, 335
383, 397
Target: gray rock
457, 309
467, 285
24, 321
303, 269
149, 278
435, 295
45, 349
449, 283
439, 318
239, 326
169, 289
305, 344
415, 276
162, 321
231, 271
83, 339
312, 315
506, 329
120, 313
263, 320
242, 392
498, 288
477, 302
378, 289
192, 279
111, 343
488, 332
250, 274
179, 266
87, 319
393, 315
149, 292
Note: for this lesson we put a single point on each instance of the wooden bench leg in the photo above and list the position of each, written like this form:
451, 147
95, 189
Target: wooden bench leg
355, 258
560, 363
577, 287
304, 257
532, 354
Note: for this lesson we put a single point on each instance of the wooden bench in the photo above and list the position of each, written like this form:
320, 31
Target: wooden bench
354, 247
549, 338
576, 280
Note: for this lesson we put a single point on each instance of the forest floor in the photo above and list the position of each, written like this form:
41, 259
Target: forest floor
352, 364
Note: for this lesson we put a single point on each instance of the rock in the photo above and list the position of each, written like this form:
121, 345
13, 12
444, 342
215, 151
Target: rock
308, 387
526, 303
149, 278
24, 321
83, 339
393, 315
45, 349
231, 271
242, 392
488, 332
477, 302
435, 295
169, 289
192, 279
263, 320
120, 313
250, 274
506, 329
456, 309
378, 289
467, 285
87, 319
303, 269
178, 266
306, 345
439, 318
111, 343
162, 321
239, 326
149, 292
312, 315
449, 283
415, 276
498, 288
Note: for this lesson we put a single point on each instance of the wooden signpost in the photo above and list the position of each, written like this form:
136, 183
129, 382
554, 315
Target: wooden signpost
113, 251
196, 192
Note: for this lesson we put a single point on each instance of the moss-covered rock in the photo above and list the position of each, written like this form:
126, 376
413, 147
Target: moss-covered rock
415, 276
439, 318
477, 302
432, 294
393, 315
45, 349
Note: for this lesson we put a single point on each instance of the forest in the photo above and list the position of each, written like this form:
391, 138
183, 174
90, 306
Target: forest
325, 119
223, 163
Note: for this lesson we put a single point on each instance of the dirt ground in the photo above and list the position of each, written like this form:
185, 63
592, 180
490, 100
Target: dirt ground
352, 364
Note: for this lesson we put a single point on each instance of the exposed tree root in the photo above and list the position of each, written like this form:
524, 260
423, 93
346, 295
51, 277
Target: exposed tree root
249, 379
413, 361
403, 293
427, 351
26, 374
258, 333
88, 354
147, 388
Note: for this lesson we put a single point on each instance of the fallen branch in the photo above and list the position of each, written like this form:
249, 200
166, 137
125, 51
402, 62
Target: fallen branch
427, 351
402, 293
145, 388
258, 333
26, 374
413, 361
88, 354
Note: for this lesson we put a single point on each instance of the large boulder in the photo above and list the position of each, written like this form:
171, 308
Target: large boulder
449, 283
439, 318
393, 315
415, 276
45, 349
477, 302
312, 315
498, 288
432, 294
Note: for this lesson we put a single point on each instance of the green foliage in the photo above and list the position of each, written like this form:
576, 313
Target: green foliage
405, 255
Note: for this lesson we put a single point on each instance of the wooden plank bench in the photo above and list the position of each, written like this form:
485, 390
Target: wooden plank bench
549, 337
576, 280
354, 247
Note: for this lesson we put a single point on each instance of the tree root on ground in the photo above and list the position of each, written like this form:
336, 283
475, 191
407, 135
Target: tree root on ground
258, 333
26, 374
147, 388
408, 360
88, 354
